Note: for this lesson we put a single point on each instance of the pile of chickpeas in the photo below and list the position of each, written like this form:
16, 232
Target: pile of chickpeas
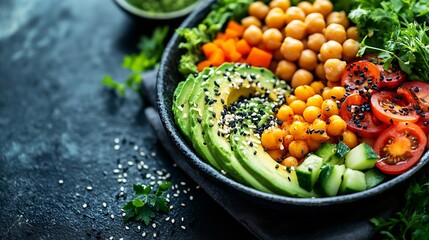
311, 46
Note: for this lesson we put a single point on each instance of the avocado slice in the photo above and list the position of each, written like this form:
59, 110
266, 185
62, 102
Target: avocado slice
224, 140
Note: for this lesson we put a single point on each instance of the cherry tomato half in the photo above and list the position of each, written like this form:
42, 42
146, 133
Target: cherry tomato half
357, 113
392, 77
400, 147
362, 77
417, 93
390, 108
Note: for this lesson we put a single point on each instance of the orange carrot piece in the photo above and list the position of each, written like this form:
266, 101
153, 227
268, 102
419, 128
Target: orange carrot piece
221, 36
217, 58
243, 47
234, 56
209, 48
218, 42
238, 28
259, 58
231, 33
203, 64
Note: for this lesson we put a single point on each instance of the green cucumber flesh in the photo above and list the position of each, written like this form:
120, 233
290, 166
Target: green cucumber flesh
353, 181
330, 179
374, 177
361, 157
308, 171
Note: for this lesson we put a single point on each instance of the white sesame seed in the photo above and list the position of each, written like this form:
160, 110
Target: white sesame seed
117, 147
182, 219
60, 181
182, 183
120, 166
154, 225
153, 154
175, 195
142, 154
183, 227
191, 198
183, 205
159, 172
125, 175
197, 187
138, 227
124, 214
167, 219
112, 216
144, 234
115, 170
85, 205
126, 227
130, 163
154, 235
172, 220
122, 188
89, 188
174, 164
136, 148
121, 238
77, 195
116, 140
104, 204
110, 238
145, 166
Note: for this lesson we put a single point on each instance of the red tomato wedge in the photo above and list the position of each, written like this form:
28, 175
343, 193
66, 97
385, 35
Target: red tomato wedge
400, 147
357, 113
389, 107
361, 77
417, 93
392, 77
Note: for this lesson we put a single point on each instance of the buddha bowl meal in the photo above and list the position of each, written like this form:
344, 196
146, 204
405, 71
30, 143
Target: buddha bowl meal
306, 99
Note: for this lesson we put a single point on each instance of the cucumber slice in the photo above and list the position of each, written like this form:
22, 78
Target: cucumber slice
329, 180
326, 151
361, 157
373, 177
353, 181
308, 171
341, 150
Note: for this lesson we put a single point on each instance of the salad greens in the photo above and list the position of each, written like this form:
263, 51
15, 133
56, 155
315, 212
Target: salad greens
396, 29
144, 208
412, 221
161, 5
151, 50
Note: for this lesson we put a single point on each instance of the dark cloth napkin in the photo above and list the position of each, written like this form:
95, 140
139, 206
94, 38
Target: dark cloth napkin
263, 224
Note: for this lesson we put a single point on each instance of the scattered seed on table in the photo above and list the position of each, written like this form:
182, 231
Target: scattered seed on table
104, 204
89, 188
154, 225
191, 198
61, 181
144, 234
112, 216
85, 205
183, 227
117, 140
117, 147
153, 154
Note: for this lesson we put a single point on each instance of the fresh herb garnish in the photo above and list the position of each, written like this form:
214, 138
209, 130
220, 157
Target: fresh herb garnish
145, 207
151, 50
412, 221
396, 29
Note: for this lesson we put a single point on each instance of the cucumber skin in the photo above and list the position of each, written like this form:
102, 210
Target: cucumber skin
330, 179
326, 151
353, 181
361, 157
373, 177
306, 178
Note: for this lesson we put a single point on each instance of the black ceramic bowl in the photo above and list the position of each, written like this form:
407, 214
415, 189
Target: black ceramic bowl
370, 201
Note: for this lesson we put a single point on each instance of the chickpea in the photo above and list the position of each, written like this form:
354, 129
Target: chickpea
336, 32
272, 38
320, 71
296, 29
275, 18
330, 49
317, 130
313, 145
251, 20
315, 23
324, 7
353, 33
349, 138
298, 118
303, 92
307, 7
298, 106
272, 138
315, 101
311, 113
276, 154
298, 130
285, 70
252, 35
290, 98
258, 9
301, 77
287, 139
290, 162
333, 69
294, 13
285, 114
291, 49
315, 41
317, 86
326, 93
350, 49
336, 126
338, 17
298, 149
283, 4
337, 93
329, 108
308, 59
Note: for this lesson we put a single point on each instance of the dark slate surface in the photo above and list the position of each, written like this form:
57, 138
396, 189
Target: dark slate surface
62, 132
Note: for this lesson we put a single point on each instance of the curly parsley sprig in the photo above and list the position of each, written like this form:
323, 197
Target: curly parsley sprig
147, 204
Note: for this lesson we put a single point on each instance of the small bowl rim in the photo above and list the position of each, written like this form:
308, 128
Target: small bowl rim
201, 165
157, 15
